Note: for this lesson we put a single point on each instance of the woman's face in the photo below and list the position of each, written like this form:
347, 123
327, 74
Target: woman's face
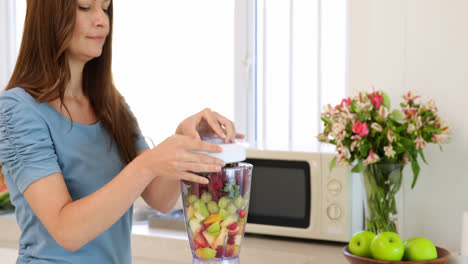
91, 29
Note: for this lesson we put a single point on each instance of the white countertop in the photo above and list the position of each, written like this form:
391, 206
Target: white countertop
171, 247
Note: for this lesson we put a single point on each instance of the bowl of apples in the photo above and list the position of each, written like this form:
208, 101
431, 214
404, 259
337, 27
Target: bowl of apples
366, 247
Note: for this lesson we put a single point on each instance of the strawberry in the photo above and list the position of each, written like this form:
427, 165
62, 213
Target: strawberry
242, 213
233, 226
214, 196
219, 251
215, 183
200, 240
231, 240
195, 189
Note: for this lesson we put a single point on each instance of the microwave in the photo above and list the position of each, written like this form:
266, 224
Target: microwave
294, 194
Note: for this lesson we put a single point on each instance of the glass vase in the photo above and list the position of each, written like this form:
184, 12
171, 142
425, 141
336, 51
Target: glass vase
382, 182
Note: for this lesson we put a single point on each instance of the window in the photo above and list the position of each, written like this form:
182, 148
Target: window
301, 66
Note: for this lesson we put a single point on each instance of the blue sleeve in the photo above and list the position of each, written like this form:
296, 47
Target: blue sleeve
27, 152
140, 142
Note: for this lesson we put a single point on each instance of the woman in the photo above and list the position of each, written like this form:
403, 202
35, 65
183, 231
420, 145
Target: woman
73, 157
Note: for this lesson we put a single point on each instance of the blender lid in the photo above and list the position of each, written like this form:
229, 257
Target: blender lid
232, 152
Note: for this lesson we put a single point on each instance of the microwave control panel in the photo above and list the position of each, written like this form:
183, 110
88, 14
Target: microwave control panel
335, 195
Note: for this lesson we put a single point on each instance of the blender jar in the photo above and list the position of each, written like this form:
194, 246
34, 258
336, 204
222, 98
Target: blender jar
216, 213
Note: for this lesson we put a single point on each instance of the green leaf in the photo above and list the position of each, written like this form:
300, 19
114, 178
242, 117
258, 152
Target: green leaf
386, 100
422, 156
358, 168
364, 149
416, 169
327, 120
332, 163
397, 115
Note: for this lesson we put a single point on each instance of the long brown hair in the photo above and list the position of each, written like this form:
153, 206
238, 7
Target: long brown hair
42, 69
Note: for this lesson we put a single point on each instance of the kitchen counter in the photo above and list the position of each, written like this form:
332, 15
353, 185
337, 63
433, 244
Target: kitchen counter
165, 246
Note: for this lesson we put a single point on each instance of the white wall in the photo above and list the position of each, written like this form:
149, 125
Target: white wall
7, 33
421, 45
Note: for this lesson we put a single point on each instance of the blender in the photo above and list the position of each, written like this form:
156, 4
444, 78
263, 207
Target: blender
216, 213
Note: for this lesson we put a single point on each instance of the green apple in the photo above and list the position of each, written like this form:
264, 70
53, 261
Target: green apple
419, 248
387, 246
359, 244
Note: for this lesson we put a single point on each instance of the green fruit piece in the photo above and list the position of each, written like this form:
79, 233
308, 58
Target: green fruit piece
213, 207
192, 198
201, 208
224, 202
387, 246
232, 209
209, 253
206, 197
359, 244
419, 249
213, 228
238, 201
223, 213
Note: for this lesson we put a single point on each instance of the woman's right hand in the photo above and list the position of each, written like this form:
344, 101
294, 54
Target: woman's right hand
174, 158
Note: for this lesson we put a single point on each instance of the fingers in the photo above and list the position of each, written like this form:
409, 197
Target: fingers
192, 178
199, 145
202, 158
212, 121
199, 167
229, 128
240, 136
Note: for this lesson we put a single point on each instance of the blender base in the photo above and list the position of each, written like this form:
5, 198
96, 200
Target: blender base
224, 261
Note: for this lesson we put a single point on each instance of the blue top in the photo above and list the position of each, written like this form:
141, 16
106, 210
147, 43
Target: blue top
36, 141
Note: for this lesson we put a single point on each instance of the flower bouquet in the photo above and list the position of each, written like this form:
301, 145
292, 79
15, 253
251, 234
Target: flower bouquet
379, 142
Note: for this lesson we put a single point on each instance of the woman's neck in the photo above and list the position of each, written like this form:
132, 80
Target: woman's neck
74, 87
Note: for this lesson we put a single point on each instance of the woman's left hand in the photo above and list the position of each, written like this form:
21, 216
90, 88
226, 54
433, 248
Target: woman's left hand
208, 122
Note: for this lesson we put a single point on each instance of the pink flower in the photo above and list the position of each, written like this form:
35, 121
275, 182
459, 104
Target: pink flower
372, 158
410, 113
376, 99
346, 101
360, 129
410, 97
420, 143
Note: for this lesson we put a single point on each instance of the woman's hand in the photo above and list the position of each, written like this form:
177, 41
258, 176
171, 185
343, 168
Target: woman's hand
208, 122
174, 158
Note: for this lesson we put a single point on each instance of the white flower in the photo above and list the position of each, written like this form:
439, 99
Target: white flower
430, 105
420, 143
390, 136
376, 127
440, 139
411, 128
323, 137
389, 152
383, 113
328, 110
